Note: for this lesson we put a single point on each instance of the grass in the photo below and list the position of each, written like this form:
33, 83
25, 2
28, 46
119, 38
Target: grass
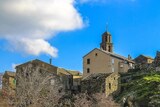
143, 88
153, 78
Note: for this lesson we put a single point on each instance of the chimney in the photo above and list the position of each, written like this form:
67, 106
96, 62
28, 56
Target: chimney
50, 61
129, 57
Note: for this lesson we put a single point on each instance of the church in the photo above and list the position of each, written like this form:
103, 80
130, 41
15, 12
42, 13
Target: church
104, 60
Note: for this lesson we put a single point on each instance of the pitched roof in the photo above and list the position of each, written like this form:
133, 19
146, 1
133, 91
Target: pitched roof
35, 60
111, 54
74, 73
10, 74
69, 72
148, 57
106, 33
63, 71
59, 70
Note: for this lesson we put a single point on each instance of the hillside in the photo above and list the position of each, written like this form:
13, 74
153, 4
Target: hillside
140, 88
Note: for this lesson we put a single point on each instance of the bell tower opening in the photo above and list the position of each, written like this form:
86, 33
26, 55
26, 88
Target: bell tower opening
109, 49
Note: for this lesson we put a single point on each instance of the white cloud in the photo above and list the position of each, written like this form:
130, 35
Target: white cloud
28, 24
104, 1
14, 66
34, 46
86, 1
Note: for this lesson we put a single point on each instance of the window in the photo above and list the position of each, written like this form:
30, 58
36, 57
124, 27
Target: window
88, 70
125, 62
52, 82
121, 65
27, 74
40, 71
88, 61
109, 39
112, 61
112, 69
96, 54
105, 38
130, 65
109, 85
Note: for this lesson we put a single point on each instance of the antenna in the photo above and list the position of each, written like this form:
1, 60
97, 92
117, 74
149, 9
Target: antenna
107, 26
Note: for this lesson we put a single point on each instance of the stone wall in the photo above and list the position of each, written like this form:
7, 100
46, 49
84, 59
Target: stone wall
101, 83
8, 84
66, 78
95, 83
112, 84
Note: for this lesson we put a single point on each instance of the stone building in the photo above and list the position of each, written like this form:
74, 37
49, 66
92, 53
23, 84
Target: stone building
38, 66
66, 78
156, 62
103, 60
157, 59
8, 83
112, 84
77, 77
39, 81
107, 83
142, 59
36, 80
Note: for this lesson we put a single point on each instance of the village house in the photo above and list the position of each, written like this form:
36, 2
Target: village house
107, 83
67, 76
156, 61
142, 59
40, 77
103, 60
77, 77
8, 83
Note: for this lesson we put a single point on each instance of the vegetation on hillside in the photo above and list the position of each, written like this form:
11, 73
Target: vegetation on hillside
141, 89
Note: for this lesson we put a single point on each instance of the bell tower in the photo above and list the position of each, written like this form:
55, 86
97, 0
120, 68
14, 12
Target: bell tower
106, 43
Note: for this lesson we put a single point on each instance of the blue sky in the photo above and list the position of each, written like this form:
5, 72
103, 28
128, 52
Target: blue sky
134, 25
